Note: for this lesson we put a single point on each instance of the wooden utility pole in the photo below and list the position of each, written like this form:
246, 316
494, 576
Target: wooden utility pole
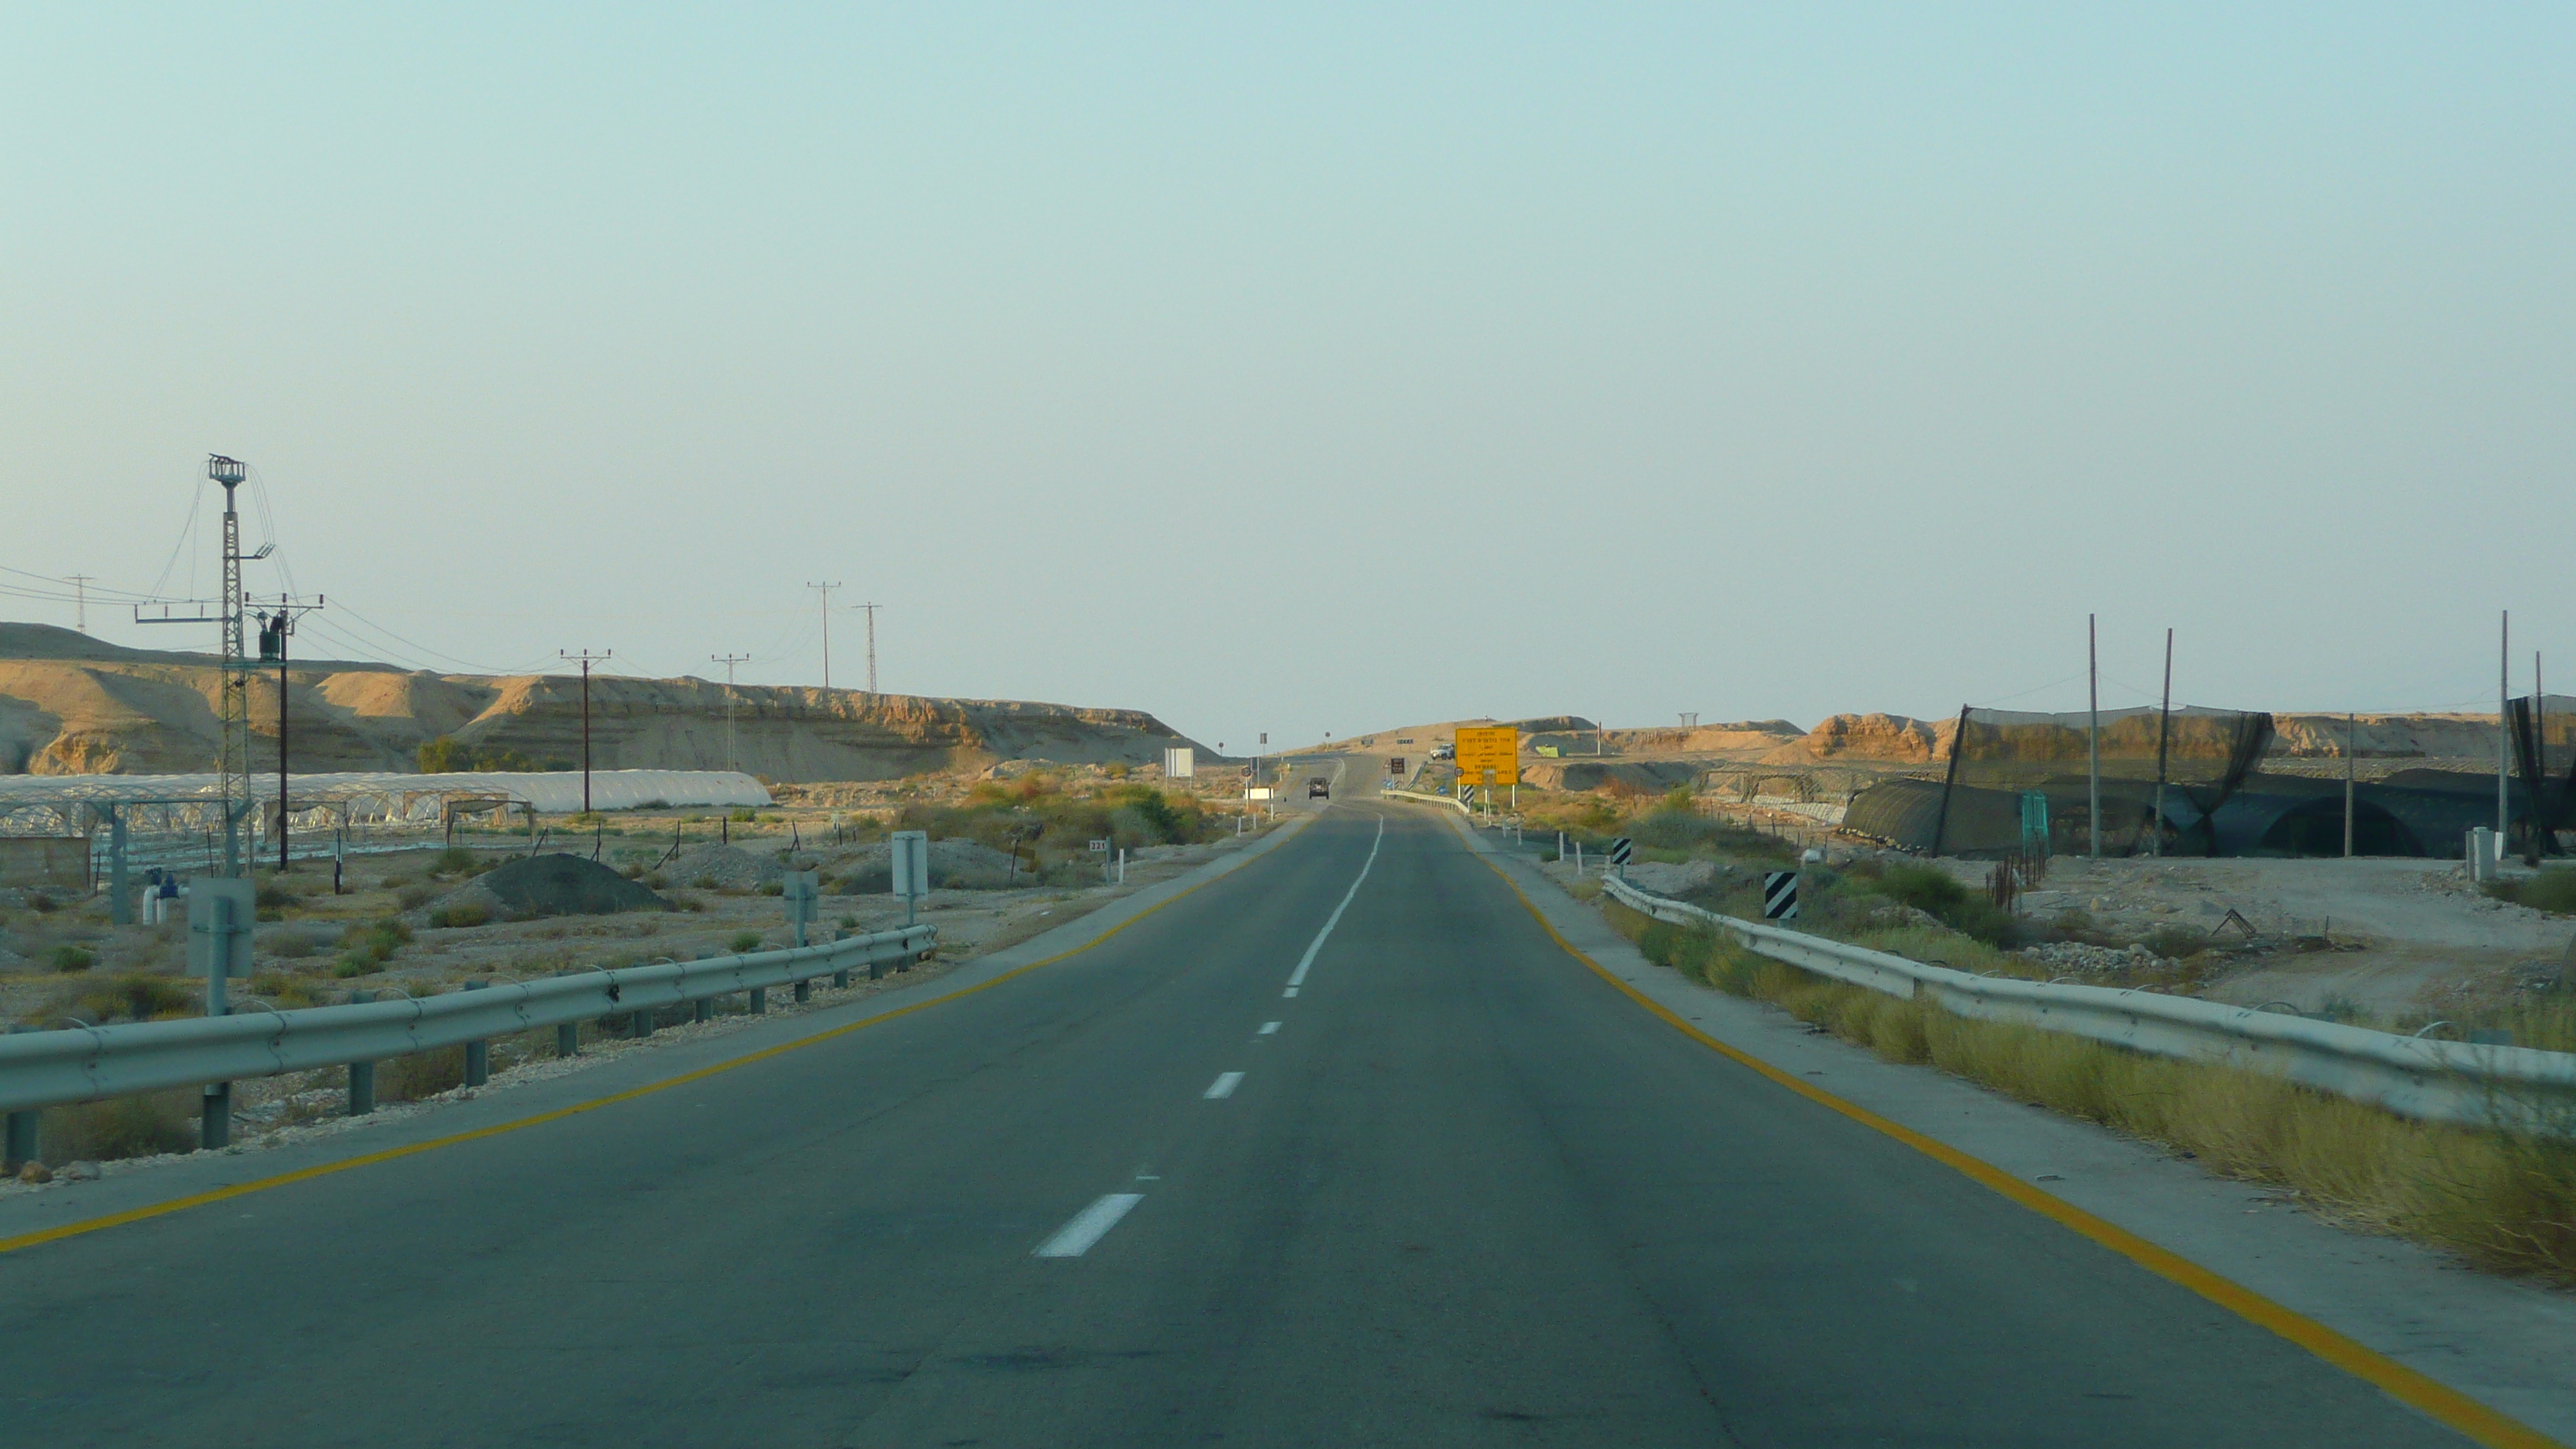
826, 591
585, 659
2164, 742
273, 632
2093, 735
729, 661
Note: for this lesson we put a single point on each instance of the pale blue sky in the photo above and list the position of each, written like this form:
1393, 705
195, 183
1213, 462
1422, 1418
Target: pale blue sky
1326, 369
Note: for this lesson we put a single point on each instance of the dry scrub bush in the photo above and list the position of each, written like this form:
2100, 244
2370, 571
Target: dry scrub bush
422, 1074
119, 1127
2503, 1200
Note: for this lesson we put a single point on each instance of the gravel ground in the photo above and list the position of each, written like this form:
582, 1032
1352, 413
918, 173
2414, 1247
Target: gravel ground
276, 1111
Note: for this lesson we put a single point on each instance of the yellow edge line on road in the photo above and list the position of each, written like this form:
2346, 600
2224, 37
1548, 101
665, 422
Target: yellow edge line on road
243, 1189
2439, 1400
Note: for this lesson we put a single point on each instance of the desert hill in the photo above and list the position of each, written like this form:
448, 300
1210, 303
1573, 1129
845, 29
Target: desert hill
71, 704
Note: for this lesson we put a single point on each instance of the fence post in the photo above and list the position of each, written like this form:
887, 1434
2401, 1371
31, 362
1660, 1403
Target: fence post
362, 1088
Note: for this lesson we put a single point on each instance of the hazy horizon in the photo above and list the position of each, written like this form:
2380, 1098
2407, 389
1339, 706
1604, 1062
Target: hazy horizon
1326, 371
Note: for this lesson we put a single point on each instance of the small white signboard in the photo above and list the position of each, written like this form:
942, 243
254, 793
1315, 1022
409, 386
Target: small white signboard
911, 862
1180, 763
220, 916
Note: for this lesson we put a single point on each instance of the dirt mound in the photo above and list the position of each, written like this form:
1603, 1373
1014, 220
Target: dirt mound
724, 868
957, 865
547, 885
1653, 777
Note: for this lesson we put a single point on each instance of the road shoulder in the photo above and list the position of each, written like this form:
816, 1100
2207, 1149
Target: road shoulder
2506, 1344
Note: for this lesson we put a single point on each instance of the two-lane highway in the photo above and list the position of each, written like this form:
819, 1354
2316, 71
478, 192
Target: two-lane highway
1338, 1149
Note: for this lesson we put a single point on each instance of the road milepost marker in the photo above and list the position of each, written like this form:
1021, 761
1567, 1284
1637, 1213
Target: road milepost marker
1779, 895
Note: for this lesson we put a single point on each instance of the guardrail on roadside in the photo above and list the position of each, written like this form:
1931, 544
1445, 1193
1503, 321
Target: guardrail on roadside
85, 1064
1460, 805
2468, 1084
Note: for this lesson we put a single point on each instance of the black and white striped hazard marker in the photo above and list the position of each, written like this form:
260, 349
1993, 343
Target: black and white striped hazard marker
1621, 849
1779, 895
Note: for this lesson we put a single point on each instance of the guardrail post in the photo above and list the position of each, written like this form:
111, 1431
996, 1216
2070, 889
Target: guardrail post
362, 1088
568, 1039
639, 1023
705, 1009
759, 1000
19, 1146
216, 1128
478, 1054
804, 989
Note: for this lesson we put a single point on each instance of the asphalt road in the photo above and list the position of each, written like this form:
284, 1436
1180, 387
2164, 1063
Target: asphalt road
1464, 1192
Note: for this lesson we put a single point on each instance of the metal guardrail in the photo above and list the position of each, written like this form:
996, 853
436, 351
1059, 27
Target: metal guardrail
1460, 805
49, 1068
2467, 1084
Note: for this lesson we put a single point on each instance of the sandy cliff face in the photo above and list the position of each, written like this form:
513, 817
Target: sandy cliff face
74, 705
1887, 738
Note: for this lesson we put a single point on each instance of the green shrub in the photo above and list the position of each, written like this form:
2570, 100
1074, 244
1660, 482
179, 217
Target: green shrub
291, 945
745, 941
1925, 888
461, 914
138, 997
273, 895
412, 898
743, 817
446, 756
772, 888
2176, 941
40, 902
2552, 890
370, 944
454, 859
1935, 891
68, 959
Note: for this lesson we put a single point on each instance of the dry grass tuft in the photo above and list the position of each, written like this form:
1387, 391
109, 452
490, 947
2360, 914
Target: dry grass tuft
119, 1127
2502, 1200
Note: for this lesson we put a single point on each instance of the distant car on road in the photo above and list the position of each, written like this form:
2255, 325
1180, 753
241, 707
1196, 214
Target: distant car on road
1444, 752
1318, 790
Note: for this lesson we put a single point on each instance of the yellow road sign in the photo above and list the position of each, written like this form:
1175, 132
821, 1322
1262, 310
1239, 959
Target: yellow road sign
1495, 748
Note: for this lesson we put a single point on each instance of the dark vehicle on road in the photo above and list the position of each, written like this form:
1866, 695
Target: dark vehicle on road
1318, 790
